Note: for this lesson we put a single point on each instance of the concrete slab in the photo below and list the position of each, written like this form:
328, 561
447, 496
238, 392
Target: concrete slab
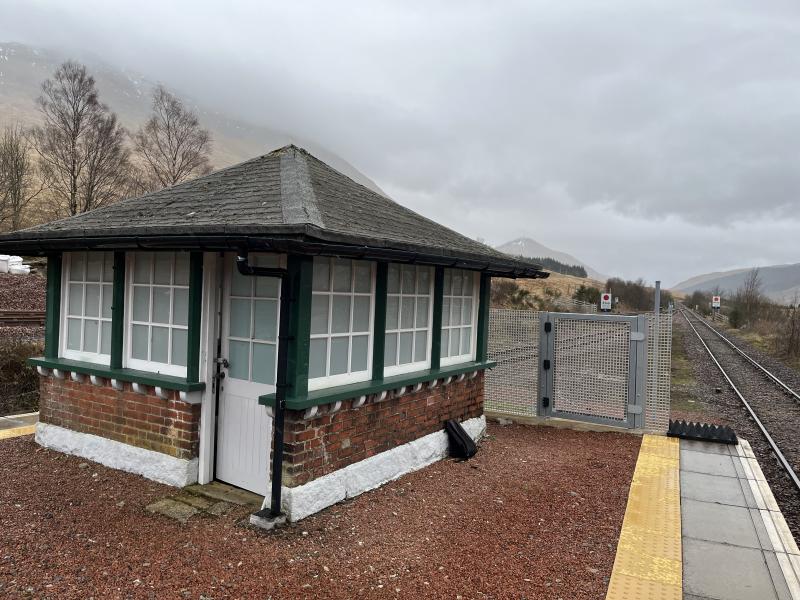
18, 425
707, 448
712, 488
706, 462
217, 490
718, 523
726, 572
172, 509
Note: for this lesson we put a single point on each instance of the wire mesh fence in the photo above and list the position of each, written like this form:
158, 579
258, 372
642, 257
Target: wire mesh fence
659, 369
511, 387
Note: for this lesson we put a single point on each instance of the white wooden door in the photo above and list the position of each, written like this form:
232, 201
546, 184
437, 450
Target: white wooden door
249, 343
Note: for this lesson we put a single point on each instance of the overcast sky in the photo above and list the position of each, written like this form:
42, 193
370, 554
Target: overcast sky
649, 139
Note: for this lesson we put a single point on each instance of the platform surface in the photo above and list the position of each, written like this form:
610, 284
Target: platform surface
17, 425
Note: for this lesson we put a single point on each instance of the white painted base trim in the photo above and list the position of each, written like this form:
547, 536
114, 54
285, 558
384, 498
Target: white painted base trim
147, 463
302, 501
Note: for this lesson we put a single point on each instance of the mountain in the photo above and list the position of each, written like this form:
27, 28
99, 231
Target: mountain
780, 282
533, 249
23, 68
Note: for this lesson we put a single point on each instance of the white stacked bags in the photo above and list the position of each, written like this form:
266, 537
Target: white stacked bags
13, 265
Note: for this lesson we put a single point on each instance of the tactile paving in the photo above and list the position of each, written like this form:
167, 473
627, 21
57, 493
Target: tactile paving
648, 562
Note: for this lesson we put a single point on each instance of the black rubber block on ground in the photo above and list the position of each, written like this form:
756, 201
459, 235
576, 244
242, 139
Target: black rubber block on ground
702, 432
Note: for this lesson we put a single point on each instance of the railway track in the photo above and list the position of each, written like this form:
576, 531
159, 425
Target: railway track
21, 317
772, 404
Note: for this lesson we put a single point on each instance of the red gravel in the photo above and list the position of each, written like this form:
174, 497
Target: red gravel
536, 514
22, 292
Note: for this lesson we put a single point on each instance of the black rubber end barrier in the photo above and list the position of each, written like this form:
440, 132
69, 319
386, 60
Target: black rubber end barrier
461, 444
702, 432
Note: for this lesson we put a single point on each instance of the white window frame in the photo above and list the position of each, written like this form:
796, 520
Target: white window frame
463, 358
81, 355
396, 369
138, 363
318, 383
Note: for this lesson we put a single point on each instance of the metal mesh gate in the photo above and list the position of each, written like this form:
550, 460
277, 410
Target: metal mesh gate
659, 371
514, 343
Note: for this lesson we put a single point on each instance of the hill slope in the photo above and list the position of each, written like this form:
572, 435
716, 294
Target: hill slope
23, 68
780, 282
533, 249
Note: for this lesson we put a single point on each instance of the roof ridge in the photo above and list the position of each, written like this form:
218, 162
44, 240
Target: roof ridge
298, 199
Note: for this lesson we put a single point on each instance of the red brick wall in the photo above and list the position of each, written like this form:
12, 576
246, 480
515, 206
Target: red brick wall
144, 420
329, 442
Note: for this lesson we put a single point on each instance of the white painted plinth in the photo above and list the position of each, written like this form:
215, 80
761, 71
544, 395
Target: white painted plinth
302, 501
117, 455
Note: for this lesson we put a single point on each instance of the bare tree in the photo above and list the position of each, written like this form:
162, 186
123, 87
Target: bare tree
750, 294
171, 145
80, 142
19, 184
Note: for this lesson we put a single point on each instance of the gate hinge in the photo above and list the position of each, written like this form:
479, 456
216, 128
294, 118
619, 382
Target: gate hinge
548, 327
546, 364
637, 336
634, 409
545, 401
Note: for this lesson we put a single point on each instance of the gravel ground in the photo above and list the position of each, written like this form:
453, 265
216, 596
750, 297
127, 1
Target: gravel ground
536, 514
778, 413
22, 292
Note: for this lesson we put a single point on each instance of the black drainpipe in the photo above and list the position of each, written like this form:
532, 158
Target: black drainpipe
280, 379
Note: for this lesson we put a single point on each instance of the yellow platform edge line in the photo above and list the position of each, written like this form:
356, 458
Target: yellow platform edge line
17, 432
648, 564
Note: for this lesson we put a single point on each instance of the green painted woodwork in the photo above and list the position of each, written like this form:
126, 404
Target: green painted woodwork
195, 314
301, 272
436, 323
53, 305
379, 322
484, 301
118, 311
355, 390
130, 375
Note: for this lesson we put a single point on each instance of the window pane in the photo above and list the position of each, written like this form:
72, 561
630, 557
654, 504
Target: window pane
108, 266
445, 311
466, 340
75, 299
363, 276
319, 314
141, 267
241, 285
240, 318
264, 363
180, 306
422, 313
455, 318
265, 323
179, 347
94, 266
105, 337
267, 287
162, 272
90, 333
239, 360
392, 309
340, 350
424, 280
361, 310
139, 342
317, 359
92, 308
141, 303
159, 344
74, 334
407, 313
77, 265
342, 275
322, 275
448, 281
420, 346
445, 345
466, 311
455, 342
406, 340
182, 268
340, 314
161, 298
409, 277
108, 298
358, 353
456, 283
393, 283
390, 350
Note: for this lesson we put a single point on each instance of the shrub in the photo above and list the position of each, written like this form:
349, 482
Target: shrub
19, 383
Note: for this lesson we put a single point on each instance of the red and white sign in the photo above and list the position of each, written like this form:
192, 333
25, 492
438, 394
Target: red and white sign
605, 301
716, 301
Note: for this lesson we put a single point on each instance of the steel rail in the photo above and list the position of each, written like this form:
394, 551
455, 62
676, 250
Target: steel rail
744, 355
781, 458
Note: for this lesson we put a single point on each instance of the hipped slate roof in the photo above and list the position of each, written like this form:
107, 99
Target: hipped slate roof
286, 200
